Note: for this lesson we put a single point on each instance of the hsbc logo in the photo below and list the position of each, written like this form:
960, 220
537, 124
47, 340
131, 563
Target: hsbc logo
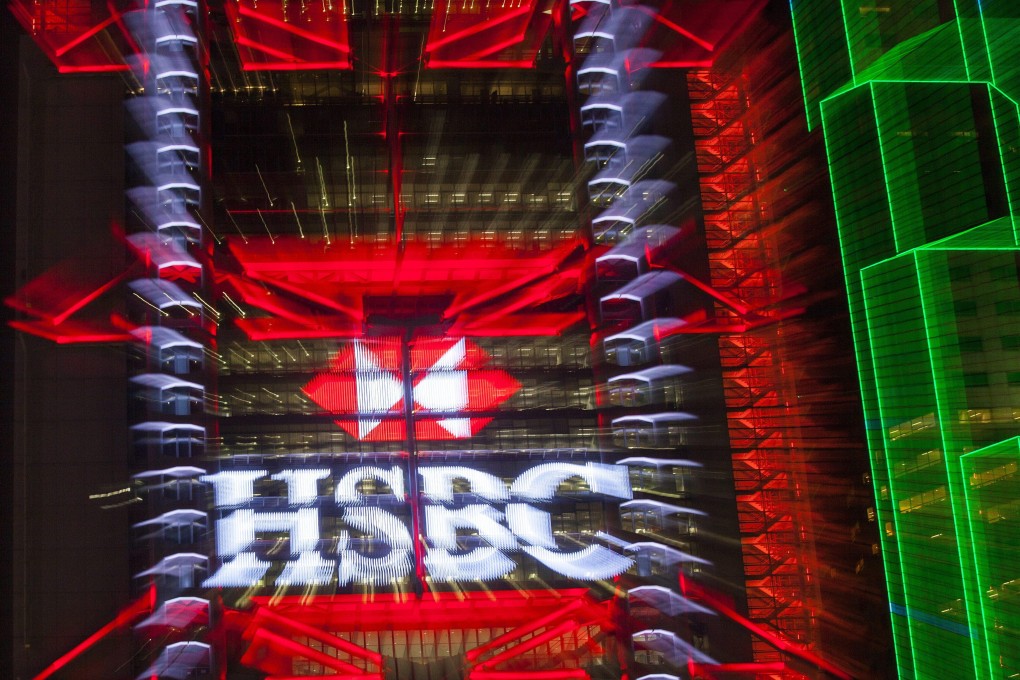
365, 385
479, 535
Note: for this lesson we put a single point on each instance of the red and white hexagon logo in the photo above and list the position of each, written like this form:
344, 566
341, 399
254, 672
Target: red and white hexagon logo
449, 384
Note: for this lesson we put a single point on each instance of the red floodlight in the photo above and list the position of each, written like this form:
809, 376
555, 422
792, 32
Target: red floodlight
477, 288
281, 630
282, 36
487, 35
74, 34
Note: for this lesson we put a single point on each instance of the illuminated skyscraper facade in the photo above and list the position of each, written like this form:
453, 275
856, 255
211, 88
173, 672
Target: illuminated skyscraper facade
465, 341
918, 103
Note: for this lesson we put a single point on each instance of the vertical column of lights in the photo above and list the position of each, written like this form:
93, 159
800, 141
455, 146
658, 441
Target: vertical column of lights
167, 159
625, 159
918, 106
759, 425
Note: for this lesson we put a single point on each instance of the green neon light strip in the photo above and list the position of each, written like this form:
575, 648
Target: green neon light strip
904, 650
939, 374
891, 556
930, 148
996, 558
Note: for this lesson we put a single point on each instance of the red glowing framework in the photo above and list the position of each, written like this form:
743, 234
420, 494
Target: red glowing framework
275, 35
80, 36
568, 621
487, 35
301, 310
765, 470
74, 35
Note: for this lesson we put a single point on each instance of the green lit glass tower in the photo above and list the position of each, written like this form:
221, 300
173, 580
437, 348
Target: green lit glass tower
917, 100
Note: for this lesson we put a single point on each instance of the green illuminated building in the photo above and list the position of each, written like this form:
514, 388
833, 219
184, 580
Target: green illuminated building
917, 100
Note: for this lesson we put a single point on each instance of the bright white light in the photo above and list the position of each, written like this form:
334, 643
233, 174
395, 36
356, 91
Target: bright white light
382, 526
302, 485
460, 428
658, 462
444, 391
663, 508
181, 517
666, 601
530, 524
452, 357
236, 532
179, 660
240, 572
174, 186
442, 524
386, 552
177, 472
593, 563
437, 483
233, 487
347, 486
378, 391
176, 37
172, 3
309, 569
666, 555
677, 650
178, 564
541, 482
179, 73
484, 564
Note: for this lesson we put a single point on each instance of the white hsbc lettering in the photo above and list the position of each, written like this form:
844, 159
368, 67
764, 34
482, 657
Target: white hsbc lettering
506, 523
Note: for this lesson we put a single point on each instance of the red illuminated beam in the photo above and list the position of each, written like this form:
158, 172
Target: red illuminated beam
65, 289
697, 592
287, 61
692, 33
462, 63
527, 629
261, 15
419, 268
531, 643
77, 47
329, 296
680, 30
348, 676
437, 610
566, 674
708, 670
92, 32
476, 24
266, 618
263, 329
273, 653
470, 275
517, 325
73, 332
273, 35
555, 287
471, 297
496, 37
259, 295
142, 605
